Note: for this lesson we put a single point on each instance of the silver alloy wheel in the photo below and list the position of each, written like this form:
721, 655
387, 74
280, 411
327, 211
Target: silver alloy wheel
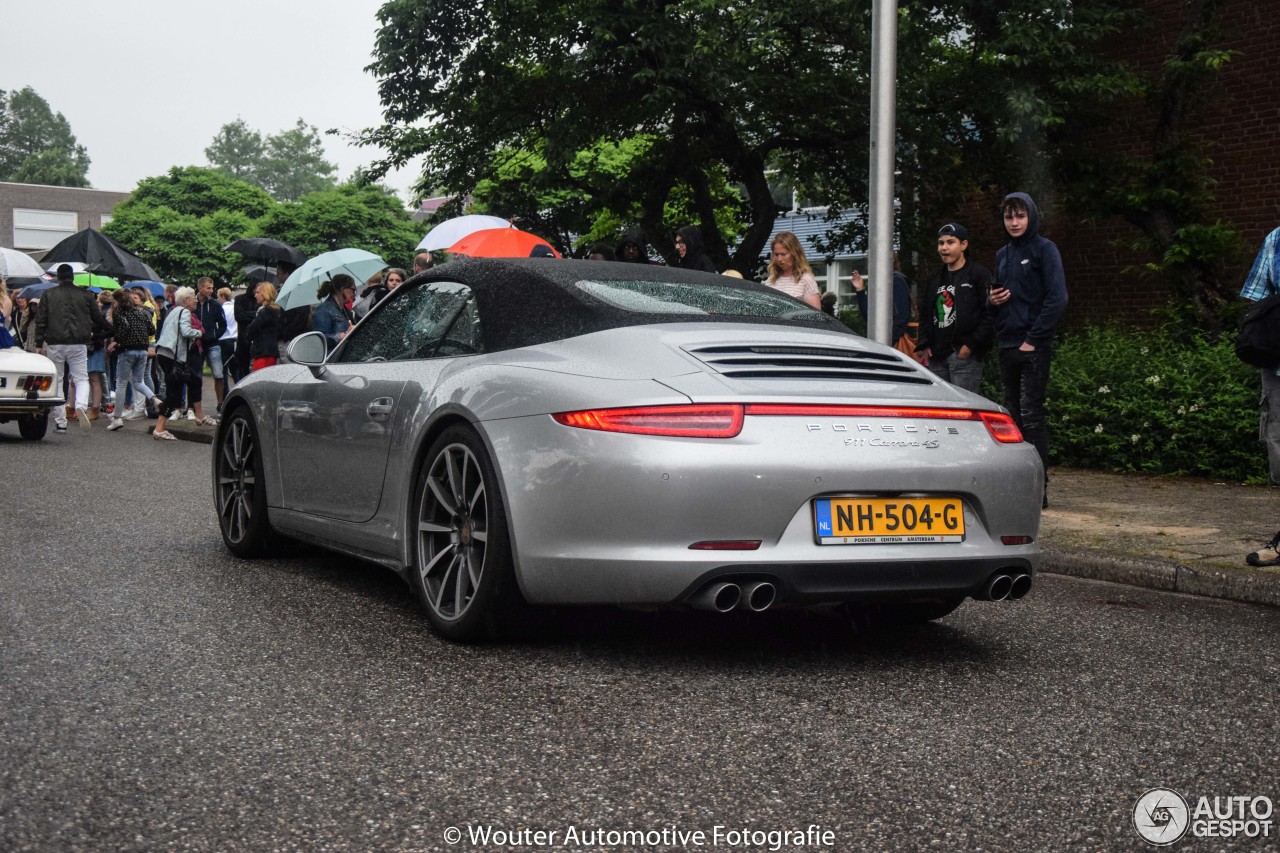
237, 481
453, 531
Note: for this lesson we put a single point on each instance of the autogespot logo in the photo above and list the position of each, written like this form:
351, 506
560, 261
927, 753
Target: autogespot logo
1161, 816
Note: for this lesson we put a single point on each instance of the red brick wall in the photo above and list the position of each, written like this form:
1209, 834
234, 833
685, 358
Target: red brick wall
1239, 115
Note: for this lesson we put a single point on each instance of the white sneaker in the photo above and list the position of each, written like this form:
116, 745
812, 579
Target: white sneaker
190, 415
134, 414
115, 424
83, 412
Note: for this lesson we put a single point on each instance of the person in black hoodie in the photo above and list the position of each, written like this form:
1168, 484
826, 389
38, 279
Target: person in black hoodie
955, 326
633, 248
1029, 299
689, 248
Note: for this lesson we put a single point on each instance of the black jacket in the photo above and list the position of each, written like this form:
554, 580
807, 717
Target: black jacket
1031, 268
263, 332
68, 315
954, 311
132, 327
214, 320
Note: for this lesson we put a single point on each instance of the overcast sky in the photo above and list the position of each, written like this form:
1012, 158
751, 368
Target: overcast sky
146, 84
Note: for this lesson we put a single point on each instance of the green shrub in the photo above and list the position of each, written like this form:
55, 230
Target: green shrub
1154, 403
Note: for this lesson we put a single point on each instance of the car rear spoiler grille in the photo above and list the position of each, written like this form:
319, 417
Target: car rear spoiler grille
801, 362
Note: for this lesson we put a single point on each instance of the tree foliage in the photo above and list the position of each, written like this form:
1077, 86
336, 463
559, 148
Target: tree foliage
580, 113
288, 164
181, 222
37, 145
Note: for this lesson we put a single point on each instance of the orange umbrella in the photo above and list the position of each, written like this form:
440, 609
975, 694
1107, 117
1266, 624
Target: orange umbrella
499, 243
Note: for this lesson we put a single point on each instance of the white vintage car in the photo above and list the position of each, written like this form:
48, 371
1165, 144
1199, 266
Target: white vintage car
27, 391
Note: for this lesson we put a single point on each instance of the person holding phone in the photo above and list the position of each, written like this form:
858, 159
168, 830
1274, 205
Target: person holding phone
1029, 299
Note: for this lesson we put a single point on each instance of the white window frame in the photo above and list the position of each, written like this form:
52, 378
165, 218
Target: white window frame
30, 234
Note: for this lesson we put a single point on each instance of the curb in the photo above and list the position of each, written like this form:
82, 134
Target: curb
1249, 586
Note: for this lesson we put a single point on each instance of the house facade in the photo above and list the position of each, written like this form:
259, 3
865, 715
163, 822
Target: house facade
34, 217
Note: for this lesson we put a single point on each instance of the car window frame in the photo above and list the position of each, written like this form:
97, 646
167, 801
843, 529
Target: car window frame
390, 303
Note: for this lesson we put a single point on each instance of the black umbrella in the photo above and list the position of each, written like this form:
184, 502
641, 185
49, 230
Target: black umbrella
101, 255
267, 250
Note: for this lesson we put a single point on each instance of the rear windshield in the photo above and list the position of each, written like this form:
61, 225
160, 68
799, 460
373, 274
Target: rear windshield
674, 298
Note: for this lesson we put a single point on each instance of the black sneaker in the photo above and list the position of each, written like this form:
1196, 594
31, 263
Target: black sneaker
59, 428
1267, 555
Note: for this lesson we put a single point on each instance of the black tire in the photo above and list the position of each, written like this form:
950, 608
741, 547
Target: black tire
462, 569
33, 427
240, 488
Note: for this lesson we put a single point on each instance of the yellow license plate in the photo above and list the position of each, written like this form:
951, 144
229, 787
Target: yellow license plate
888, 521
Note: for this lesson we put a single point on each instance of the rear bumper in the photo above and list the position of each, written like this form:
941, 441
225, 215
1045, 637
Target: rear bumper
11, 408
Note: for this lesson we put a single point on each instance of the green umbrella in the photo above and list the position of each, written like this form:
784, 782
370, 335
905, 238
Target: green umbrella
102, 282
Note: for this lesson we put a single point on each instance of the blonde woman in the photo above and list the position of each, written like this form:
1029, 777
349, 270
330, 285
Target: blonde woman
789, 270
264, 330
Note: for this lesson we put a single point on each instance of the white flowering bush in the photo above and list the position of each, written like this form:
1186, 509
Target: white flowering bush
1124, 400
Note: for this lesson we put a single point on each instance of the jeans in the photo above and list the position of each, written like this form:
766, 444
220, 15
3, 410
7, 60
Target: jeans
1025, 377
964, 373
73, 359
1269, 421
213, 354
131, 371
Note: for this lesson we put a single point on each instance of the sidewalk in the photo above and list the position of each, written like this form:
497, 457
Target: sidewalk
1171, 533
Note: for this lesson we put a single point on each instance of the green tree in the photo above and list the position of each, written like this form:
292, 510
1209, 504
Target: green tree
288, 164
181, 222
236, 151
37, 145
361, 217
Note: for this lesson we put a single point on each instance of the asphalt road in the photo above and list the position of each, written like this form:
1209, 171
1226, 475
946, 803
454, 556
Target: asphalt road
156, 694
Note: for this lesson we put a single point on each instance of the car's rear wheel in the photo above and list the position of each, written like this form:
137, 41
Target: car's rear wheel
33, 427
462, 568
240, 488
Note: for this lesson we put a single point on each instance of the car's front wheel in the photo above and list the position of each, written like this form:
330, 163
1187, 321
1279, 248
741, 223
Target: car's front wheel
33, 427
240, 488
462, 568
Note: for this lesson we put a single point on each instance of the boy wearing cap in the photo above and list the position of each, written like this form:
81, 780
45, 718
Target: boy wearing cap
956, 328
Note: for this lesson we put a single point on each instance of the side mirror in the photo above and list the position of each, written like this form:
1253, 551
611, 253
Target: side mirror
309, 350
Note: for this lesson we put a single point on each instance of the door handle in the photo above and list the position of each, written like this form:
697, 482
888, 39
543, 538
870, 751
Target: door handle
380, 409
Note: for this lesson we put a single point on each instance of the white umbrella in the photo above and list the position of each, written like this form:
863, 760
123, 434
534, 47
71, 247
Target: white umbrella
300, 287
451, 231
76, 266
15, 264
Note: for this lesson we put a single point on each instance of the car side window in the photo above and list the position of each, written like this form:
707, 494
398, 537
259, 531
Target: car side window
436, 320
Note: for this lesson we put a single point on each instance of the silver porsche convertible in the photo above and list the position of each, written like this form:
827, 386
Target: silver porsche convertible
514, 433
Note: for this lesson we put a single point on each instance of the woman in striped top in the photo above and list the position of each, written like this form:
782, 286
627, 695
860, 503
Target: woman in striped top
790, 272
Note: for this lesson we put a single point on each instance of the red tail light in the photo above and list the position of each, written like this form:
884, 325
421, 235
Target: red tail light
35, 383
713, 421
725, 420
1001, 426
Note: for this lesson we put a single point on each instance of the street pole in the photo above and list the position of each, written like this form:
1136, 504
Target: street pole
884, 72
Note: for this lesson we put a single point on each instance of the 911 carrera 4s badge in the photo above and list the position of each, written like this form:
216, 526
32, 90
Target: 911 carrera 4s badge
888, 521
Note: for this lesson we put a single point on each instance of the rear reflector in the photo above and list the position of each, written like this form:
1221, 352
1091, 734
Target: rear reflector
714, 421
727, 545
1016, 540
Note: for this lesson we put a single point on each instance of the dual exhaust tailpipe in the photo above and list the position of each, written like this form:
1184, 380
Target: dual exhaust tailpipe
723, 596
1003, 587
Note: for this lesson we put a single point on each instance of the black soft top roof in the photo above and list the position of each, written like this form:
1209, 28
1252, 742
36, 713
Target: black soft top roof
528, 301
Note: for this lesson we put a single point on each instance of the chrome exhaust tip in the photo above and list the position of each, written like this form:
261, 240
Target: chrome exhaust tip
720, 597
758, 596
1020, 586
998, 588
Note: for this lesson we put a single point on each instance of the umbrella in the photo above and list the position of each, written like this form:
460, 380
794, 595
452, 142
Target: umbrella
99, 282
100, 254
19, 267
33, 291
300, 288
451, 231
266, 250
499, 243
156, 288
76, 266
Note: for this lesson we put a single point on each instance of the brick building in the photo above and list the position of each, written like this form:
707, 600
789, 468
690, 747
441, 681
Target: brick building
34, 217
1238, 114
